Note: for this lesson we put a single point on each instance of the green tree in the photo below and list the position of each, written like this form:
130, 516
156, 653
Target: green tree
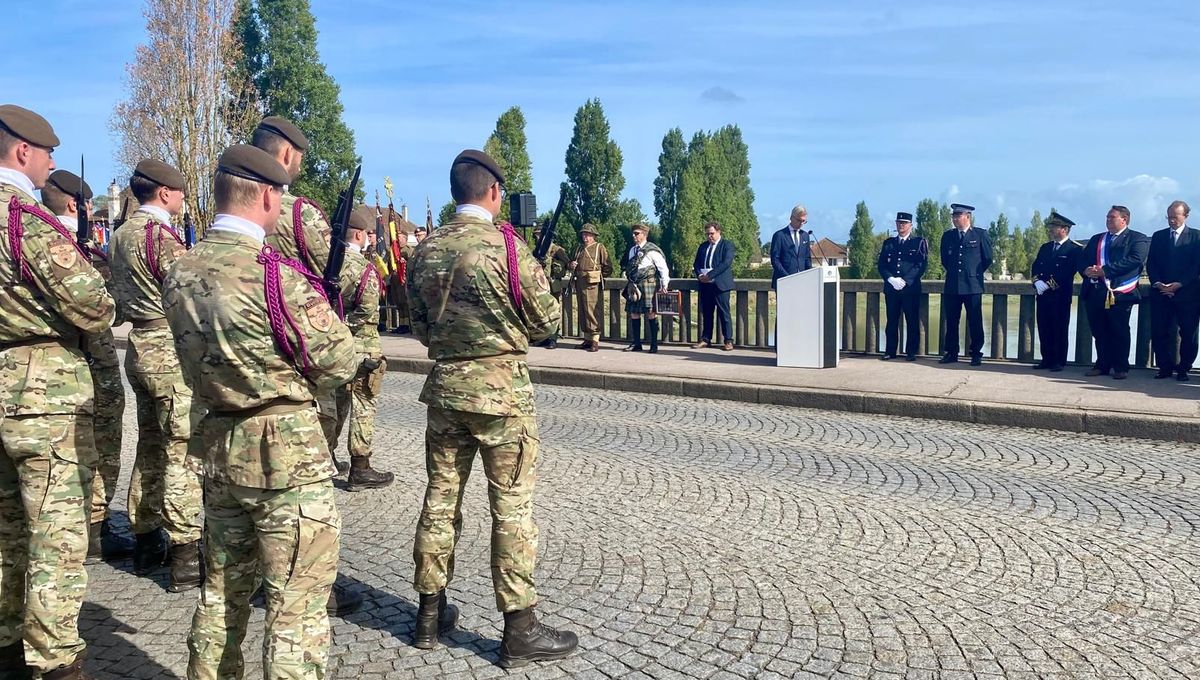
1019, 258
446, 213
863, 245
1001, 245
671, 164
1035, 236
279, 52
593, 169
507, 144
933, 220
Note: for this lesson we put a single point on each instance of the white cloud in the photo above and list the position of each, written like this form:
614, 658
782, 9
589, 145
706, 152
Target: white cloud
1087, 202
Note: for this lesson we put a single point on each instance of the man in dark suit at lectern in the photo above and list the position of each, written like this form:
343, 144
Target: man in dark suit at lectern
966, 255
714, 270
791, 247
1053, 275
1174, 270
1111, 264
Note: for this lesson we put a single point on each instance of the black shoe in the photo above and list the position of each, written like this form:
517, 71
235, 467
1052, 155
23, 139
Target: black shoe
435, 617
342, 601
401, 330
887, 357
1120, 375
185, 567
363, 477
910, 358
948, 359
1182, 376
149, 551
976, 361
1041, 366
1163, 374
633, 348
525, 640
552, 343
584, 345
105, 544
342, 466
1056, 368
12, 660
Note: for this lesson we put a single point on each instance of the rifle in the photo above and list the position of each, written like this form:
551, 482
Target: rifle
189, 231
543, 243
337, 243
83, 228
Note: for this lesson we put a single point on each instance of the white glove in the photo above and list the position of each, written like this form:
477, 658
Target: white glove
897, 282
1041, 286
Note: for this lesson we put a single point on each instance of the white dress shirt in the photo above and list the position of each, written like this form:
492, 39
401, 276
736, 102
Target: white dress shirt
652, 259
475, 211
238, 225
159, 214
17, 179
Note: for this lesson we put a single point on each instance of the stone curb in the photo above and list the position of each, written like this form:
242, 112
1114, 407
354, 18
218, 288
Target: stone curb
1068, 419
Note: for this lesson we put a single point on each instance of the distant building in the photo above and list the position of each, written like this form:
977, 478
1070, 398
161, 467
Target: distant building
829, 254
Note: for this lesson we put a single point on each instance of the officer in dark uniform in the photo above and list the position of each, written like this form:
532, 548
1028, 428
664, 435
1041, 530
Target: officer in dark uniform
902, 262
1053, 276
966, 255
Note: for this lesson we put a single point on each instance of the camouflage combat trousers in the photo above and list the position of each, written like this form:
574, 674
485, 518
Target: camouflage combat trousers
508, 446
45, 469
358, 402
163, 490
110, 411
290, 537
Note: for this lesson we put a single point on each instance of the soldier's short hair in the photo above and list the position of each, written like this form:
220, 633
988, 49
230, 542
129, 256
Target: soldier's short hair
143, 189
1122, 211
269, 141
55, 199
469, 182
7, 141
1187, 210
231, 191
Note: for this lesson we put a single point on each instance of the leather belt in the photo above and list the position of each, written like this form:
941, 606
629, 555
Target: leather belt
35, 342
142, 324
274, 407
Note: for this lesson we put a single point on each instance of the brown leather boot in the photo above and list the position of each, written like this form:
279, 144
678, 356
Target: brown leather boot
72, 671
435, 617
525, 640
362, 476
12, 662
185, 567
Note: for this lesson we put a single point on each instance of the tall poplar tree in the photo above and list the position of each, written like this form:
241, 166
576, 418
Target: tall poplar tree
507, 144
715, 185
671, 164
863, 245
933, 220
279, 47
1001, 245
594, 179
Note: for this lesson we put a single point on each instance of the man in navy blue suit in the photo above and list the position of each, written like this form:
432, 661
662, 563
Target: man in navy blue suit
1174, 270
1111, 264
791, 247
714, 270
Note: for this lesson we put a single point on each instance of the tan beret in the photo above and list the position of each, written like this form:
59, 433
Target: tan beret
160, 173
642, 228
481, 159
286, 129
254, 164
68, 182
362, 217
28, 126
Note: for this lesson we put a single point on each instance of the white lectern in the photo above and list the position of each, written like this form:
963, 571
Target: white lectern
806, 331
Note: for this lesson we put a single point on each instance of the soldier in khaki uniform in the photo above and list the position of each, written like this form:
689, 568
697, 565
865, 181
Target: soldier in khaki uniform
103, 542
357, 401
589, 268
268, 498
163, 492
555, 262
477, 316
50, 295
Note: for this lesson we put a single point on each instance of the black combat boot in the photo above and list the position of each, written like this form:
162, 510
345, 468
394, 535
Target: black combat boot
363, 477
342, 601
525, 640
12, 662
104, 543
653, 335
342, 466
185, 567
149, 551
435, 617
635, 336
72, 671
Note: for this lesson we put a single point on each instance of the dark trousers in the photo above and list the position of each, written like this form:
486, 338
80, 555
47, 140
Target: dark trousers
713, 300
1110, 328
1053, 321
906, 304
952, 307
1167, 314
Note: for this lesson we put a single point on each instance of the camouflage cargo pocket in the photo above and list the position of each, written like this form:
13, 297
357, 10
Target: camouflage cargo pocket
315, 554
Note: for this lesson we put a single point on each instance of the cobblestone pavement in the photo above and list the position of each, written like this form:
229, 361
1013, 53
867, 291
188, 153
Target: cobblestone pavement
691, 539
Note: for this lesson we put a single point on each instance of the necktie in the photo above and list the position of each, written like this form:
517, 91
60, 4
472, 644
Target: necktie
1174, 237
709, 258
1055, 250
796, 240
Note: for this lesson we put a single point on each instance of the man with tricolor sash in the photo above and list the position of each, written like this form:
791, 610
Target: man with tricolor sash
1111, 264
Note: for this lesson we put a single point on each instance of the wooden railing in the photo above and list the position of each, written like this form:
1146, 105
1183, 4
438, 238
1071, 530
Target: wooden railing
1008, 312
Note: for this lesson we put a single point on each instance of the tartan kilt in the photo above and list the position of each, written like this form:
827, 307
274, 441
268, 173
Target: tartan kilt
648, 286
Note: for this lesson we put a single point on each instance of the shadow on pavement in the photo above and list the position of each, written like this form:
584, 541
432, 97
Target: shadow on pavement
111, 656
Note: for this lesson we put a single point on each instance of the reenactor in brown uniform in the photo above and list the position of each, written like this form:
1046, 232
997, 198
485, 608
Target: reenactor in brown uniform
589, 268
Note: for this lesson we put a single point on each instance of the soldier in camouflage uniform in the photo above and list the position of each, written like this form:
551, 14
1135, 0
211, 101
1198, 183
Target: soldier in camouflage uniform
302, 233
478, 298
589, 268
50, 295
164, 493
103, 542
268, 496
556, 262
359, 399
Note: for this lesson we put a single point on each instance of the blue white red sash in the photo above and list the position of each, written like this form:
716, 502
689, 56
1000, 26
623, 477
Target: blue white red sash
1102, 260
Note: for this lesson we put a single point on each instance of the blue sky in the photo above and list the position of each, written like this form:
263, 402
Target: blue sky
1010, 106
